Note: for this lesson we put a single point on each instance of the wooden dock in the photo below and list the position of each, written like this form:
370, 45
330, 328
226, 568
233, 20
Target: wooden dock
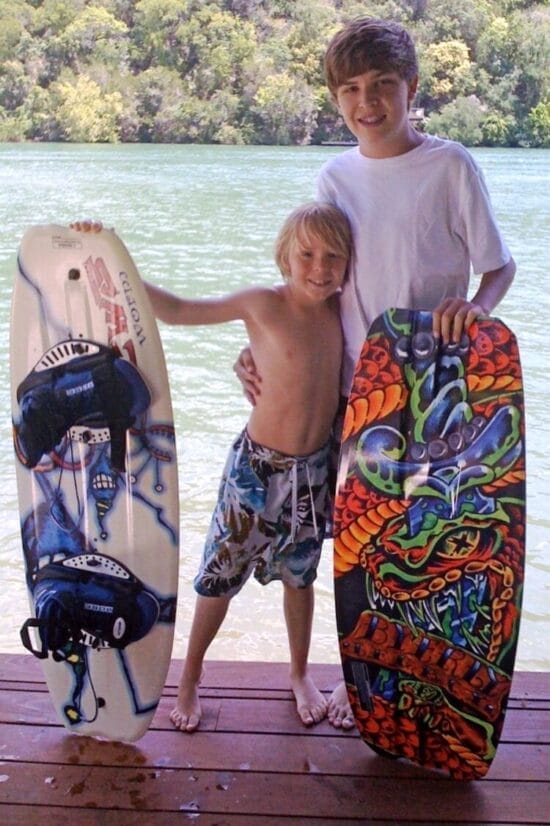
252, 763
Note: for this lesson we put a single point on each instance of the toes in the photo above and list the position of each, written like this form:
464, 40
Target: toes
341, 718
176, 718
348, 722
192, 723
305, 716
183, 722
314, 714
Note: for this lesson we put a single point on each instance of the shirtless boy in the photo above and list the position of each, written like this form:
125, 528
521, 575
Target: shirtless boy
274, 496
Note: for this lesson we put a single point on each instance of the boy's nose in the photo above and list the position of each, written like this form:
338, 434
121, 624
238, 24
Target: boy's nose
368, 97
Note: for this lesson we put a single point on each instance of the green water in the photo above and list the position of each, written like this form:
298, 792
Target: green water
202, 219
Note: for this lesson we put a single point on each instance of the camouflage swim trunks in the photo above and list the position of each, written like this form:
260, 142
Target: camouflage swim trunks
270, 519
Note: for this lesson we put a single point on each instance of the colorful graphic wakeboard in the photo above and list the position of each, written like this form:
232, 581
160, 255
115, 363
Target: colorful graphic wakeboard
97, 479
429, 540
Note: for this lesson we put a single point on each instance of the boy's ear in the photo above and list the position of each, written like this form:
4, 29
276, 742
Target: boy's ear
413, 86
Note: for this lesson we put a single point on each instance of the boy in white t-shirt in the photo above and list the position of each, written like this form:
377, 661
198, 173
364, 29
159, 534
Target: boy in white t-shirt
418, 207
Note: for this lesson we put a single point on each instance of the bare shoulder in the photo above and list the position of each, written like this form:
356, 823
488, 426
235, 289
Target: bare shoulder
261, 301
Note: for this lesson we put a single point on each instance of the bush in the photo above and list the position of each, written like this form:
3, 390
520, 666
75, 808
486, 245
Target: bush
460, 120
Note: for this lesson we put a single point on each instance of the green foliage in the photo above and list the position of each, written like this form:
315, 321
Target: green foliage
85, 113
250, 71
284, 110
445, 71
95, 34
461, 120
538, 125
462, 20
497, 129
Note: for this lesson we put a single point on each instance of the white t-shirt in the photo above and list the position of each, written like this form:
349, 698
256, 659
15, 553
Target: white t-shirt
420, 221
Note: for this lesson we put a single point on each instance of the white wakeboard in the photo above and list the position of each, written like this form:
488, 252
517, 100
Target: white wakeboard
97, 479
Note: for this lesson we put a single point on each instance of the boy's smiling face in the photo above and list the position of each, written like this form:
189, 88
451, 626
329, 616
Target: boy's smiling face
316, 268
375, 107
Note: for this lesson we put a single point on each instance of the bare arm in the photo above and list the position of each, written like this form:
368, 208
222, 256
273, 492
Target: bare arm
174, 309
454, 315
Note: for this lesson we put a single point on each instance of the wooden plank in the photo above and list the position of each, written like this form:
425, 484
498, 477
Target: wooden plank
170, 693
229, 714
51, 816
198, 792
252, 763
207, 692
249, 715
332, 754
256, 674
226, 673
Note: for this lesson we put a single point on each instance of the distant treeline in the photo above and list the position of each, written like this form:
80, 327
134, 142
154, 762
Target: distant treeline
250, 71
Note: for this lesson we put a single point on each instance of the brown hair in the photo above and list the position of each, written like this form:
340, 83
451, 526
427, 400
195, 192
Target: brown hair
323, 220
367, 43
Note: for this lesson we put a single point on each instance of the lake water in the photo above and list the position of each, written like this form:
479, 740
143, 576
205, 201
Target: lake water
202, 220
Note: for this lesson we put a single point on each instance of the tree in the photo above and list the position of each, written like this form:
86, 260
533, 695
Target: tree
53, 16
538, 125
496, 48
399, 10
284, 110
13, 126
460, 121
214, 48
15, 84
154, 35
15, 16
40, 108
314, 21
531, 33
497, 129
251, 70
445, 72
464, 20
85, 114
95, 35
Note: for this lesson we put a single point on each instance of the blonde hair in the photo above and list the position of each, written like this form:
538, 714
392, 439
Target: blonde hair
323, 220
365, 44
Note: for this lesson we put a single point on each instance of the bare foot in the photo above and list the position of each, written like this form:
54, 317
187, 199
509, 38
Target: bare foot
340, 714
310, 703
186, 714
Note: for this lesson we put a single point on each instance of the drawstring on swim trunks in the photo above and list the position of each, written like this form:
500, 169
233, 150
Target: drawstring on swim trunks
295, 523
294, 466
